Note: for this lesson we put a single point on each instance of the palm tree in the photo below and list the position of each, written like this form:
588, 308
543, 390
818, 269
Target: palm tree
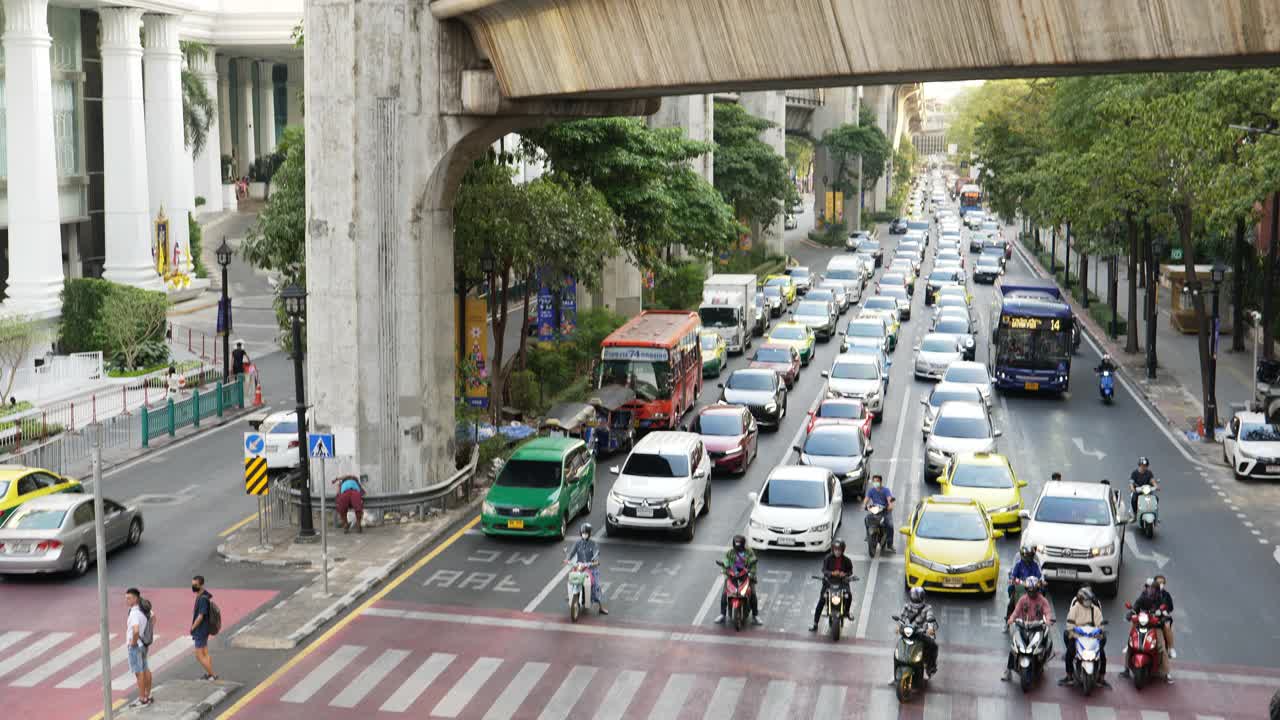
199, 111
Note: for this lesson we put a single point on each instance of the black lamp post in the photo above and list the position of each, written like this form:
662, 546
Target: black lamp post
1157, 252
224, 260
1218, 274
295, 306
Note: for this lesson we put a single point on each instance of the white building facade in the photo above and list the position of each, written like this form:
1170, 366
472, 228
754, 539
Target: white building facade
92, 133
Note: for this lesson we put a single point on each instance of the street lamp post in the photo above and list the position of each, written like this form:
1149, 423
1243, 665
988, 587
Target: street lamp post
1153, 266
224, 261
1113, 268
1256, 317
1218, 274
295, 306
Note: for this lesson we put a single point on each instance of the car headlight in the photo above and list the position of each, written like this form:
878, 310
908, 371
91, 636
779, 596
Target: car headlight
734, 452
989, 562
820, 528
923, 562
1103, 550
771, 407
756, 525
488, 509
658, 416
615, 498
1006, 508
1242, 454
550, 510
669, 500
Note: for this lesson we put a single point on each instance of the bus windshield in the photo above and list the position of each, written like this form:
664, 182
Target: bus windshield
650, 380
1034, 349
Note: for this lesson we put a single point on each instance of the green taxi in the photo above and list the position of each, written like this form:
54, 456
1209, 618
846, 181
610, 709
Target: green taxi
714, 354
796, 335
547, 482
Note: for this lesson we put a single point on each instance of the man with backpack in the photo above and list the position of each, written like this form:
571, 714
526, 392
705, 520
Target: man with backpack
206, 620
139, 632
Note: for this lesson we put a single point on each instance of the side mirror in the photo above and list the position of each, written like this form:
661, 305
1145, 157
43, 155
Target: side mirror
615, 470
997, 534
719, 385
826, 373
1022, 483
797, 448
997, 433
1128, 606
1024, 514
870, 451
917, 348
905, 530
752, 496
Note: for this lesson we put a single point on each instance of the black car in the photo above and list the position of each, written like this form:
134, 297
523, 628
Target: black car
762, 390
898, 226
939, 278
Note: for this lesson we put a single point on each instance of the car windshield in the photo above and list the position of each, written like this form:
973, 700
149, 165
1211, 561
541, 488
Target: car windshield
655, 465
777, 282
1073, 511
798, 273
938, 345
939, 525
846, 410
651, 380
529, 474
881, 303
891, 279
834, 441
794, 494
850, 370
953, 327
1249, 432
918, 224
771, 291
759, 380
28, 518
760, 300
718, 316
937, 397
4, 487
989, 261
773, 355
789, 332
823, 294
283, 427
720, 423
895, 292
938, 276
842, 274
861, 329
812, 309
967, 374
988, 225
964, 428
869, 245
709, 342
982, 476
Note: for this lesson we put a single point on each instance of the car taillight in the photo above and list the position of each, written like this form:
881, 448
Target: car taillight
1, 547
47, 545
293, 444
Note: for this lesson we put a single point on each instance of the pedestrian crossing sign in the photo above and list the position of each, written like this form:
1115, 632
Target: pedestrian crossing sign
320, 445
255, 476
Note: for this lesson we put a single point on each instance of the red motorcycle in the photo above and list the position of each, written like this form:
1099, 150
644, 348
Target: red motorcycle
1142, 657
737, 589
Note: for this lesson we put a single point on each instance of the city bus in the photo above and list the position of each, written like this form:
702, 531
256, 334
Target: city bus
970, 199
656, 354
1030, 338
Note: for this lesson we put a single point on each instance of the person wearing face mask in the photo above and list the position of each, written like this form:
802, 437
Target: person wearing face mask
882, 496
1152, 599
1167, 601
587, 552
1084, 610
741, 556
837, 573
201, 627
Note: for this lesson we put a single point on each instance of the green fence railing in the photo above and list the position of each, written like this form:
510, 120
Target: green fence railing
173, 416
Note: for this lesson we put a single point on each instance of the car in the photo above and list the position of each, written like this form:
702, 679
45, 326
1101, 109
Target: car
997, 242
782, 359
801, 276
906, 268
868, 331
280, 435
971, 373
889, 306
935, 353
1251, 447
663, 485
56, 534
913, 245
18, 484
825, 294
730, 435
868, 246
797, 508
820, 315
784, 283
853, 270
546, 482
841, 448
939, 279
898, 226
773, 296
910, 259
878, 353
951, 547
762, 311
1077, 531
841, 410
948, 253
958, 292
844, 292
957, 327
954, 306
761, 390
989, 479
895, 280
790, 222
990, 226
976, 238
995, 249
901, 296
957, 428
797, 335
861, 378
941, 393
988, 269
714, 354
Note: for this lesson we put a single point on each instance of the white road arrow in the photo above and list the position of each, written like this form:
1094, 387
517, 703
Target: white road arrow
1152, 557
1097, 454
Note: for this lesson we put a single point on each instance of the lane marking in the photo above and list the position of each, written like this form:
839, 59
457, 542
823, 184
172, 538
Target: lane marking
671, 701
712, 596
456, 700
624, 688
248, 519
569, 692
418, 682
322, 673
114, 706
725, 698
369, 678
558, 578
509, 702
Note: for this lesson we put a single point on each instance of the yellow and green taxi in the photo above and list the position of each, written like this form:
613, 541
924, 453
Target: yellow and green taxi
951, 547
547, 482
19, 484
796, 335
890, 317
989, 479
785, 283
714, 354
955, 291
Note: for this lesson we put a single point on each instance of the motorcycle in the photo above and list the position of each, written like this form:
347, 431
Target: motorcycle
1148, 509
1106, 386
1032, 650
1142, 655
837, 603
579, 589
1087, 665
877, 532
738, 589
908, 661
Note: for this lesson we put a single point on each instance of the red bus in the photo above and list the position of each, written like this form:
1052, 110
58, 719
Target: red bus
656, 354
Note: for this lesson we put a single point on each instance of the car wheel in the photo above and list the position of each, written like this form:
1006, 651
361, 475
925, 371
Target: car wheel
564, 526
80, 564
706, 499
689, 529
591, 494
135, 532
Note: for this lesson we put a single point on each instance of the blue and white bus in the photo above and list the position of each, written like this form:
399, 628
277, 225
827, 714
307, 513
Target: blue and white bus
1031, 338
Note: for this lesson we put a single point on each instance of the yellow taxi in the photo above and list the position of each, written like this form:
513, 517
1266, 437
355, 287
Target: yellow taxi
19, 484
954, 291
951, 547
796, 335
714, 354
787, 285
989, 479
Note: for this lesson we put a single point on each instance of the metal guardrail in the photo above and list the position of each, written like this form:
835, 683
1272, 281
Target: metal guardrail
70, 453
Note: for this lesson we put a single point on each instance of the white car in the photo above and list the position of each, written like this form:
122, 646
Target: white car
1252, 447
945, 392
959, 427
1077, 530
798, 508
866, 331
860, 377
846, 293
971, 373
663, 485
935, 353
280, 433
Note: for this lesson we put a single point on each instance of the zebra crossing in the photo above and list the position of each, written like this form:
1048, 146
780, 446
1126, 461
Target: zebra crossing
63, 660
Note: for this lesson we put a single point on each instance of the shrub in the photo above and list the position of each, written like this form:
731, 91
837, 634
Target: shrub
79, 328
522, 387
99, 315
200, 200
679, 286
197, 245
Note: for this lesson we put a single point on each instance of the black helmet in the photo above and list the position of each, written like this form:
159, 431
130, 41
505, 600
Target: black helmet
916, 595
837, 544
1028, 553
1085, 595
585, 529
1142, 460
739, 542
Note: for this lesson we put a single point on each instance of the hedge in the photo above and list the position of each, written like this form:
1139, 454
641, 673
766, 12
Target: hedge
80, 327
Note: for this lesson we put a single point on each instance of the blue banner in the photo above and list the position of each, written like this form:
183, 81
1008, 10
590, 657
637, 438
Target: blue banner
224, 316
568, 307
546, 311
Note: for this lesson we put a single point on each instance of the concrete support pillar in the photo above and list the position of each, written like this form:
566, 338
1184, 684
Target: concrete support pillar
247, 149
293, 101
266, 108
35, 239
695, 115
208, 167
837, 109
770, 105
169, 163
126, 202
223, 65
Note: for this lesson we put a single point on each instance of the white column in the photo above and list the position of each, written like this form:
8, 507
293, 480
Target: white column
169, 164
223, 65
248, 151
266, 107
208, 167
293, 101
35, 240
126, 202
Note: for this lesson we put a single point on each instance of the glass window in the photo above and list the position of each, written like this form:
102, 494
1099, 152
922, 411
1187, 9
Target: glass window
283, 427
720, 423
862, 329
4, 487
952, 327
654, 465
1074, 511
946, 525
855, 371
650, 380
982, 476
966, 374
794, 494
29, 518
83, 514
723, 316
771, 291
709, 342
938, 345
789, 332
842, 274
967, 395
881, 303
965, 428
814, 309
529, 474
773, 355
27, 485
798, 272
1249, 432
846, 410
4, 142
832, 441
759, 380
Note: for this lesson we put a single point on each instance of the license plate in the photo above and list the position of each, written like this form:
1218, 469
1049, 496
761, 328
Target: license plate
1273, 468
1068, 574
1032, 386
644, 511
515, 524
22, 548
273, 448
786, 541
951, 582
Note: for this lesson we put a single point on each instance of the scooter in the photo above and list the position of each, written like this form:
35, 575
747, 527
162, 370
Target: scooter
1086, 668
738, 589
1148, 509
1142, 655
579, 589
908, 661
877, 533
1032, 650
1106, 386
838, 597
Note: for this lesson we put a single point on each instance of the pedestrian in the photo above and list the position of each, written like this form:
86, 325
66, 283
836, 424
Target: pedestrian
172, 382
239, 359
350, 497
202, 626
137, 631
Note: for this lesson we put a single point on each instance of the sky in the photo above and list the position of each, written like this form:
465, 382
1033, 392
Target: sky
947, 90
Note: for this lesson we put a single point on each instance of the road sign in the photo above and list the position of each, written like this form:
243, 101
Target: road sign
255, 476
320, 445
254, 444
1176, 254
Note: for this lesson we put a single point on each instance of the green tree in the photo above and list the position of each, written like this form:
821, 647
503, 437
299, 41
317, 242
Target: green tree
799, 151
850, 141
277, 241
18, 334
749, 175
199, 111
131, 319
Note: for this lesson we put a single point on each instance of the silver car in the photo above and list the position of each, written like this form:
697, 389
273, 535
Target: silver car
971, 373
959, 427
55, 533
945, 392
935, 353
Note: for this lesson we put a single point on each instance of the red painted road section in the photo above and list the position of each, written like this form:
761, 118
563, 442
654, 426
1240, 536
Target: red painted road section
61, 645
382, 657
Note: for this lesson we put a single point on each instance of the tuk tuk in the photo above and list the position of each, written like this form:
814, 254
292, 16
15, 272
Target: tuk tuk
616, 423
569, 419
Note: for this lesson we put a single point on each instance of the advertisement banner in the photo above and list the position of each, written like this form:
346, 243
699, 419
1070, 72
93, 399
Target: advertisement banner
831, 207
546, 311
568, 307
477, 342
839, 207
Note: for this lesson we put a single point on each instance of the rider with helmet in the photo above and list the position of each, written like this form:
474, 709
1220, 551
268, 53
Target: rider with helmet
1026, 567
740, 556
1033, 606
1138, 478
1153, 599
882, 496
1107, 364
919, 614
837, 572
586, 551
1084, 610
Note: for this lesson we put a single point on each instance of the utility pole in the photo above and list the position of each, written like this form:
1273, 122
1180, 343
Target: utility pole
100, 552
857, 120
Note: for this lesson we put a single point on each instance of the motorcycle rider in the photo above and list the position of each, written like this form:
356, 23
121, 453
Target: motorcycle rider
1138, 478
919, 614
740, 556
1149, 601
1031, 607
1167, 601
1026, 567
1107, 364
1084, 610
836, 571
586, 551
882, 496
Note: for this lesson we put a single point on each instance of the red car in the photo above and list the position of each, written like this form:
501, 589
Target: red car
730, 435
783, 359
839, 410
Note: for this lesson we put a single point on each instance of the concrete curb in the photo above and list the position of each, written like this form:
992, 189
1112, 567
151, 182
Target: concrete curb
192, 306
206, 706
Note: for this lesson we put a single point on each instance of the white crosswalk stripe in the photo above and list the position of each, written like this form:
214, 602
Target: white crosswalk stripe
21, 657
725, 699
1094, 712
992, 708
11, 637
517, 690
672, 698
467, 687
1155, 715
323, 673
60, 661
404, 696
937, 706
568, 694
620, 693
155, 661
92, 671
369, 678
830, 704
1046, 711
777, 699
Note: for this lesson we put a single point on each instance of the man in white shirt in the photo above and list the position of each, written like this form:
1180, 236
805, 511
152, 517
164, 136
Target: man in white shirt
135, 628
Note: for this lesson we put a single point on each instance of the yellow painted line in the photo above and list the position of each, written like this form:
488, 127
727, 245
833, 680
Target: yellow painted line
114, 706
251, 517
345, 621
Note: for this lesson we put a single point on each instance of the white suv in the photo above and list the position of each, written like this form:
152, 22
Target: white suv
664, 485
1252, 447
1077, 530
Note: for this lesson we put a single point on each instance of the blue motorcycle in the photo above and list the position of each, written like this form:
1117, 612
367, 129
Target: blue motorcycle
1107, 386
1086, 668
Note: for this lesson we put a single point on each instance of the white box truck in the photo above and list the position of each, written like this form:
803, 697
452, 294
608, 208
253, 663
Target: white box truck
727, 310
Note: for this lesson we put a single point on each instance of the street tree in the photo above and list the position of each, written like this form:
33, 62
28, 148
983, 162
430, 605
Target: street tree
18, 334
130, 319
847, 143
749, 175
199, 111
277, 241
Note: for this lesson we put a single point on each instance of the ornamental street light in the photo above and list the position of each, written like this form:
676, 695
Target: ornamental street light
224, 261
295, 306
